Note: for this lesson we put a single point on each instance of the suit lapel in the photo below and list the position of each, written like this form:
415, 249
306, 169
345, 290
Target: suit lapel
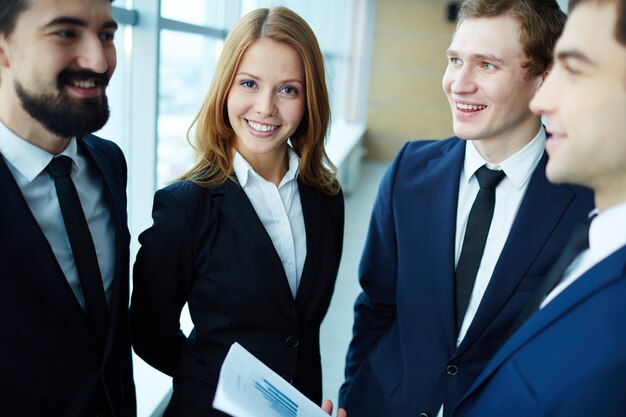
597, 278
442, 186
32, 255
105, 169
240, 214
312, 211
541, 209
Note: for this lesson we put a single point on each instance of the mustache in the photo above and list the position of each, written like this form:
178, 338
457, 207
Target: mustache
66, 76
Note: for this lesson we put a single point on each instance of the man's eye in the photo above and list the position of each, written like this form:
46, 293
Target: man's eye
108, 37
66, 33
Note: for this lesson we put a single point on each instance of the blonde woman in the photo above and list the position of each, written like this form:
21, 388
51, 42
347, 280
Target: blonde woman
251, 236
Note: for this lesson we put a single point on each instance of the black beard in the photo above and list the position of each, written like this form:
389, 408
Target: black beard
61, 114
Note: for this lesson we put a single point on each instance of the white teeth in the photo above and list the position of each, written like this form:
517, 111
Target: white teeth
462, 106
261, 127
84, 84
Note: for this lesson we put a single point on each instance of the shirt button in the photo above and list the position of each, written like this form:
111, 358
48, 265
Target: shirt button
452, 370
424, 415
292, 342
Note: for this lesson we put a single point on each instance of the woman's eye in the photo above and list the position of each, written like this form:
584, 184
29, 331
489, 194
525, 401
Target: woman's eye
289, 90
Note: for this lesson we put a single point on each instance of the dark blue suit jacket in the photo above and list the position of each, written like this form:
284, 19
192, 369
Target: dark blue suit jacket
569, 359
208, 248
403, 358
50, 364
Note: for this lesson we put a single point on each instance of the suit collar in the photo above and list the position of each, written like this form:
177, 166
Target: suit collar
311, 210
596, 279
112, 195
442, 190
240, 214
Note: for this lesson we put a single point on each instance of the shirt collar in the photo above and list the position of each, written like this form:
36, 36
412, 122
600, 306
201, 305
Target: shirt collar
243, 169
30, 160
517, 167
607, 231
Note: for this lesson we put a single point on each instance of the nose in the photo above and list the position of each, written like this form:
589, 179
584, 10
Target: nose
94, 56
265, 104
463, 81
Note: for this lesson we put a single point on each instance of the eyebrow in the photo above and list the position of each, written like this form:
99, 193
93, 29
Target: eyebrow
574, 54
72, 21
484, 57
290, 80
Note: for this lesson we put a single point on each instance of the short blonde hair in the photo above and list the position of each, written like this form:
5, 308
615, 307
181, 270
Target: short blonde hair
214, 134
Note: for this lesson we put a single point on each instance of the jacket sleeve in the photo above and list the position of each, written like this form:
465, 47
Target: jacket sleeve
375, 307
162, 278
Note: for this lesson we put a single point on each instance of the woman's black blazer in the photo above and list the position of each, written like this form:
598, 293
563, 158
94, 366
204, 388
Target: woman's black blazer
208, 248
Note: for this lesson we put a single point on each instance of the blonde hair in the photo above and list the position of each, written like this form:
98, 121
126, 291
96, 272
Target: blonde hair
214, 134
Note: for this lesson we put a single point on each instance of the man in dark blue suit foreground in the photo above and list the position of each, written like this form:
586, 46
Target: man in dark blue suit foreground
438, 299
569, 358
64, 241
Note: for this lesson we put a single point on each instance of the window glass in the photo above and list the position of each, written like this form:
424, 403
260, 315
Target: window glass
198, 12
185, 72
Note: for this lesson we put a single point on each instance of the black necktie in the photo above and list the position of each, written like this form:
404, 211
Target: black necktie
82, 245
578, 242
478, 224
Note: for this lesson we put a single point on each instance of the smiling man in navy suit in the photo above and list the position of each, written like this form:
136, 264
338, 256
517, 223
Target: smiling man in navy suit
463, 229
569, 358
64, 241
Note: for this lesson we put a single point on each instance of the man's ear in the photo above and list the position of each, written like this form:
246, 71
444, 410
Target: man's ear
545, 74
4, 59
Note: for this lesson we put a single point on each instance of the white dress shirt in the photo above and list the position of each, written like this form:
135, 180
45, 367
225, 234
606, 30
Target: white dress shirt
27, 163
518, 169
509, 193
607, 234
280, 211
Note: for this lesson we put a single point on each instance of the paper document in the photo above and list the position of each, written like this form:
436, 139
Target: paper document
248, 388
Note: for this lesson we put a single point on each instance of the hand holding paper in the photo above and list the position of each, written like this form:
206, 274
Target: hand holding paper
248, 388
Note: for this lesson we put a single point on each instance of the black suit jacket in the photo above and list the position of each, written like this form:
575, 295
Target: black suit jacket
207, 247
50, 363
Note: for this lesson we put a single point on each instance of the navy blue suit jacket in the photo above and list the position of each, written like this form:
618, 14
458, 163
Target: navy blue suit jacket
50, 363
569, 359
208, 248
403, 358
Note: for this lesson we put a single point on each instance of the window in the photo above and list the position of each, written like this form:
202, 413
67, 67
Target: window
187, 63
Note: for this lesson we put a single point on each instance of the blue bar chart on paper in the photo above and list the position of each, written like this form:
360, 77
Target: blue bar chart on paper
277, 400
248, 388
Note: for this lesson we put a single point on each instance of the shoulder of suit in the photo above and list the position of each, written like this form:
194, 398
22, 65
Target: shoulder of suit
188, 191
426, 149
433, 145
106, 147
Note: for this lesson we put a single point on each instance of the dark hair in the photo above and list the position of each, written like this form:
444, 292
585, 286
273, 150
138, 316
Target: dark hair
620, 26
541, 23
9, 12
